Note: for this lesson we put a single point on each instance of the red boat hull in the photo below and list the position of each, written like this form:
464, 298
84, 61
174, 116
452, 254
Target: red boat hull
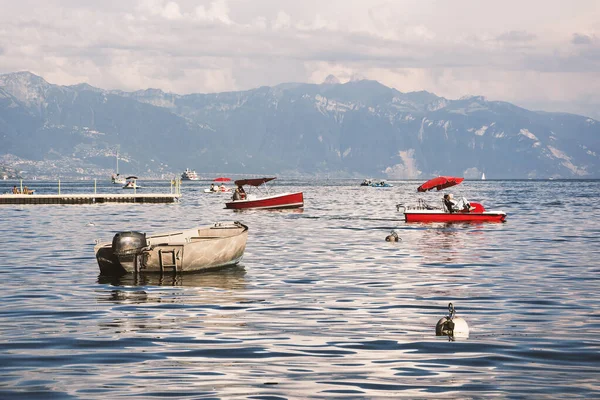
425, 216
287, 200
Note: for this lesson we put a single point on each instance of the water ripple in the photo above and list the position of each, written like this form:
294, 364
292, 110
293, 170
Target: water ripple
322, 306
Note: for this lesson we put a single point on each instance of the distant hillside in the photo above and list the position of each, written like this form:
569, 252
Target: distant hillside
360, 128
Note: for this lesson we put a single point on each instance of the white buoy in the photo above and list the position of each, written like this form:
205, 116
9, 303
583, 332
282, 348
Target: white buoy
452, 326
393, 237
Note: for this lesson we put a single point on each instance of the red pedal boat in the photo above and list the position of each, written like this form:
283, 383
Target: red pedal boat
265, 200
425, 213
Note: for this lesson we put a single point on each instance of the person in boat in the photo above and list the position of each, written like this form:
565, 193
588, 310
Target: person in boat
15, 190
239, 193
452, 205
242, 192
212, 187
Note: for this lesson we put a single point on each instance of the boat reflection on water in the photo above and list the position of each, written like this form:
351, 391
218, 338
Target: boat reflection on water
178, 301
271, 210
230, 278
447, 242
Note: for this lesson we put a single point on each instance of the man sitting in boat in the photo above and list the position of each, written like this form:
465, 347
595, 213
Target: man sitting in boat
239, 193
456, 205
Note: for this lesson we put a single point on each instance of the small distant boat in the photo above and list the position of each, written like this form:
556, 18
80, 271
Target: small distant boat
117, 179
265, 200
375, 183
191, 250
217, 189
131, 183
483, 176
189, 175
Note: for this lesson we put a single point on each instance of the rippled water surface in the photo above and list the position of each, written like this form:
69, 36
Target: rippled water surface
321, 307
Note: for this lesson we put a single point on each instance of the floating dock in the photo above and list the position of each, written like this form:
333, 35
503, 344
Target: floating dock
89, 198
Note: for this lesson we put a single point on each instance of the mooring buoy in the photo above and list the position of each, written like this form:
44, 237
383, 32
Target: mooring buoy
393, 237
452, 326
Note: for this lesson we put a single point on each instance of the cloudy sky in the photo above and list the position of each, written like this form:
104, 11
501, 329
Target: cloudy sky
541, 54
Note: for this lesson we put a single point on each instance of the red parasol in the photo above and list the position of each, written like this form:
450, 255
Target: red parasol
222, 179
439, 183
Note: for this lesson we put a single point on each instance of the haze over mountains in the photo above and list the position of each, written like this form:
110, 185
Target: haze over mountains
356, 129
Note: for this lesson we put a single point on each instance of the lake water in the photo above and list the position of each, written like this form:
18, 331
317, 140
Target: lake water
321, 307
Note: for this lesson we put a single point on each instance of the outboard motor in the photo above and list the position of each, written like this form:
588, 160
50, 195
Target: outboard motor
127, 246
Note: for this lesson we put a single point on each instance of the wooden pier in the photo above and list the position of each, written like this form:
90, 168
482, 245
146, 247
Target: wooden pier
88, 198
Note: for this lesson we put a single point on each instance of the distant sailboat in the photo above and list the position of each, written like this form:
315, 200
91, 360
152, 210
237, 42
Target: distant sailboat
117, 179
483, 176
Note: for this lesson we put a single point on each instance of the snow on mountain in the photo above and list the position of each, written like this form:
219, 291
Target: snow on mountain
357, 128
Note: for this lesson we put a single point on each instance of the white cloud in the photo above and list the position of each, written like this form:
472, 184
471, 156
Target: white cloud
282, 21
171, 11
217, 11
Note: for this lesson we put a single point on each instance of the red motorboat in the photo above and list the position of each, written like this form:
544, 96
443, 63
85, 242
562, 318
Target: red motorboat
264, 199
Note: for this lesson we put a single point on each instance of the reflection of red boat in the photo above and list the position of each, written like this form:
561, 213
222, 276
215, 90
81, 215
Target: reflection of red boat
265, 200
425, 213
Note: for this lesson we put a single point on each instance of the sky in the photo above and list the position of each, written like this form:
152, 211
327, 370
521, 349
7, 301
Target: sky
542, 55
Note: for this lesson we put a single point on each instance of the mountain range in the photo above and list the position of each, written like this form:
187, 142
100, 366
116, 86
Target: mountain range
356, 129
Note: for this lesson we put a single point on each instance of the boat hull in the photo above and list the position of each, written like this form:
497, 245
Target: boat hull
200, 249
227, 190
281, 201
440, 216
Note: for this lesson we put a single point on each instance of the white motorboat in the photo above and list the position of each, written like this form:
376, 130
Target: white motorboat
189, 250
189, 175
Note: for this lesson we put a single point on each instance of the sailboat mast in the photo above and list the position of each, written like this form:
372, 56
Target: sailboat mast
117, 159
